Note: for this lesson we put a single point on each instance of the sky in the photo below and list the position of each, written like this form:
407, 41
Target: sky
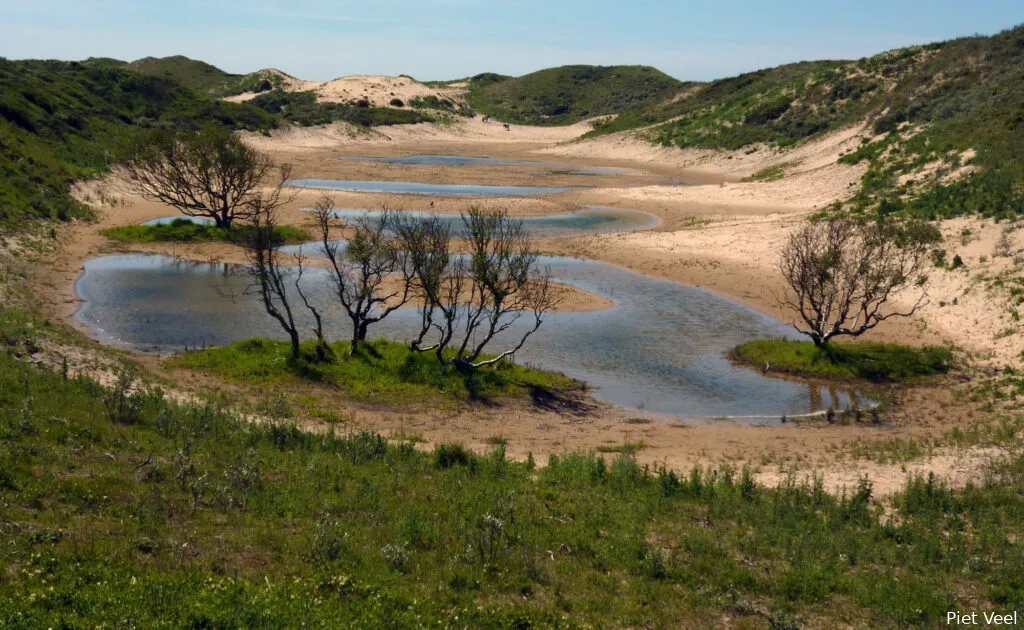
448, 39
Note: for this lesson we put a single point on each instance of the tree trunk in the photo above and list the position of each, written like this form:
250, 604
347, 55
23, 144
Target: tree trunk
294, 335
358, 336
223, 218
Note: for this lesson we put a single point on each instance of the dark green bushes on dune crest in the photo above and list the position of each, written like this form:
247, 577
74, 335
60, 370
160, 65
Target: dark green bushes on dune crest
567, 94
956, 106
302, 108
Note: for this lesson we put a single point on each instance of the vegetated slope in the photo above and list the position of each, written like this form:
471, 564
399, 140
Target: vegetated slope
947, 120
568, 94
203, 77
294, 100
60, 121
304, 108
733, 112
340, 96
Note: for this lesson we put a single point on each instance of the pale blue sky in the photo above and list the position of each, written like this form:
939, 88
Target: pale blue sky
444, 39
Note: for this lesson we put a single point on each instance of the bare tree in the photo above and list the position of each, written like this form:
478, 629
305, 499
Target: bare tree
362, 270
504, 282
322, 348
269, 278
209, 174
841, 274
436, 274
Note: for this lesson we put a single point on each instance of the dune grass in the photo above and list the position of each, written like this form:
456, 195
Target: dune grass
383, 371
567, 94
187, 231
123, 508
198, 75
874, 362
62, 122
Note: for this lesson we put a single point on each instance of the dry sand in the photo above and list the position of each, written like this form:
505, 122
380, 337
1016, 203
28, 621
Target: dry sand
378, 90
717, 232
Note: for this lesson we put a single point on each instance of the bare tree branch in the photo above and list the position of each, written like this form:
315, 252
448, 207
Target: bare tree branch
268, 277
361, 270
209, 174
841, 274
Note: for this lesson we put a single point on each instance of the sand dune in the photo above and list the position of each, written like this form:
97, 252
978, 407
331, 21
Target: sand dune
378, 90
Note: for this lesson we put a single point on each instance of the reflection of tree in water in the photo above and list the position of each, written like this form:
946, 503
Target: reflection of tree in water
835, 397
219, 268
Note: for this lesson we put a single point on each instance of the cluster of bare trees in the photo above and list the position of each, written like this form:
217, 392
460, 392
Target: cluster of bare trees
466, 298
497, 281
469, 287
842, 274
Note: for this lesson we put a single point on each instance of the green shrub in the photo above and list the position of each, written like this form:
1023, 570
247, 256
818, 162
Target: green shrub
567, 94
875, 362
386, 371
303, 108
183, 230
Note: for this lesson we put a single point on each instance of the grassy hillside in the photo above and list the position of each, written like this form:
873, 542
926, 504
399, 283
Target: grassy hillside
202, 77
568, 94
123, 508
940, 112
734, 112
61, 121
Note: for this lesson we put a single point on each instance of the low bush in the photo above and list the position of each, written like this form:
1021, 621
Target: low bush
185, 230
875, 362
382, 371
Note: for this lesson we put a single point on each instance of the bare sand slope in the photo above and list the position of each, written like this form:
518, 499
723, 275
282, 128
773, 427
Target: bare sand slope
726, 237
378, 90
632, 146
461, 132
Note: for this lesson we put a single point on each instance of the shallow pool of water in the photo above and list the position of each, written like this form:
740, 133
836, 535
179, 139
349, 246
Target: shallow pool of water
418, 188
554, 168
589, 220
660, 348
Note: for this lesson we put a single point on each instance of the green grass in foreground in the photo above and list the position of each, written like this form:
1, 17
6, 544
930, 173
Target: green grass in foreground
388, 372
123, 508
875, 362
185, 230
